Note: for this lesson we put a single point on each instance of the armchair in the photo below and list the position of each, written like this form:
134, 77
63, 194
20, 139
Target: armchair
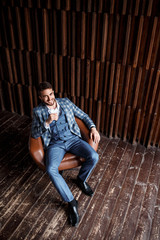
70, 160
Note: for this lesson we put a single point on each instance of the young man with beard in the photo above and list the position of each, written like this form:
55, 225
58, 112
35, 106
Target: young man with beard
54, 121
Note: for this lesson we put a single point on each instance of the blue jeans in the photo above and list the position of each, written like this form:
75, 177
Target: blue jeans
54, 156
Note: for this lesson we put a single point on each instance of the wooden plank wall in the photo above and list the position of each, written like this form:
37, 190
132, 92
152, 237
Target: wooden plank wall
102, 54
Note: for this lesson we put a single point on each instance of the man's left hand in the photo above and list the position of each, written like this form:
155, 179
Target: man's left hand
94, 135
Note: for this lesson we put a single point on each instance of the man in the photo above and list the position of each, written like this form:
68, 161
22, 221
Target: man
54, 121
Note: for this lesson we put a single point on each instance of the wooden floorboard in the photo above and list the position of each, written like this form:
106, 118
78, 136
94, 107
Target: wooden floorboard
125, 205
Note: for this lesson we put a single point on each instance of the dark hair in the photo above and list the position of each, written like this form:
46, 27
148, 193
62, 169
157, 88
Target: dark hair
42, 86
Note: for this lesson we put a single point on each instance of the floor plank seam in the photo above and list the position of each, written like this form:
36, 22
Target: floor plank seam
16, 208
118, 196
140, 211
32, 207
109, 183
131, 196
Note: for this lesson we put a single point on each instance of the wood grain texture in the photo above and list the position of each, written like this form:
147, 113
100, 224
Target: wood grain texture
125, 183
104, 53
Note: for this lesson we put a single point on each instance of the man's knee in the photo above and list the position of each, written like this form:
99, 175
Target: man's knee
94, 157
52, 170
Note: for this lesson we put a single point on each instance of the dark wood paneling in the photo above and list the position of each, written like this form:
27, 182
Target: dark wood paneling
103, 54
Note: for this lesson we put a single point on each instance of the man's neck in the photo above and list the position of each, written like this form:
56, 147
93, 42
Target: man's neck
54, 106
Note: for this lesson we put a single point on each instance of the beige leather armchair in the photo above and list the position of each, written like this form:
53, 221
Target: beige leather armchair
69, 161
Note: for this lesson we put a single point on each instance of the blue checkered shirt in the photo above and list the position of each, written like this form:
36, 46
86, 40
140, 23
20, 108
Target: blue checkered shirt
40, 115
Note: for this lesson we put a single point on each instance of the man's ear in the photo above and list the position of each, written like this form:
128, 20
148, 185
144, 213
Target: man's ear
40, 98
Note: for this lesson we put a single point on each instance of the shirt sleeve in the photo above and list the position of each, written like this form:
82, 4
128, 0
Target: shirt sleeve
82, 115
46, 125
38, 127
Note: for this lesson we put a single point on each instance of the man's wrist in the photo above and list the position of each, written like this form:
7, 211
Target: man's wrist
46, 124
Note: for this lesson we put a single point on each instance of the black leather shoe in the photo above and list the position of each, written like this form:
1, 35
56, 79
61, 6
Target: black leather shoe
84, 187
73, 214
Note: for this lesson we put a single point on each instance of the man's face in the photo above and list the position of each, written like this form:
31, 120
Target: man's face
47, 96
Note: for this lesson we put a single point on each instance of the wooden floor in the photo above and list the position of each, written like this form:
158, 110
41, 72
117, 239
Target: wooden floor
125, 205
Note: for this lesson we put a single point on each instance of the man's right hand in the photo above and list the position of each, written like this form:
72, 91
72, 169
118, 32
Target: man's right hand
52, 117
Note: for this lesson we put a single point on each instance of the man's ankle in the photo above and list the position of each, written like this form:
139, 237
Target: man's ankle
73, 203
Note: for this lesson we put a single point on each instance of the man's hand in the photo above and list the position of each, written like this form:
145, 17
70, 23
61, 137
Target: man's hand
94, 135
52, 117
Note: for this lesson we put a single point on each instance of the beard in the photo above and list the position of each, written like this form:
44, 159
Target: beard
51, 103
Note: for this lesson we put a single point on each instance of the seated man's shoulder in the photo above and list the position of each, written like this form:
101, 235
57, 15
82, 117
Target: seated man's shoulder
64, 100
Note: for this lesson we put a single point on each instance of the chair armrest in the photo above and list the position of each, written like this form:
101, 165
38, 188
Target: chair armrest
36, 151
85, 134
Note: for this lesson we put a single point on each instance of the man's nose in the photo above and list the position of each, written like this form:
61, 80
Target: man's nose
49, 98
